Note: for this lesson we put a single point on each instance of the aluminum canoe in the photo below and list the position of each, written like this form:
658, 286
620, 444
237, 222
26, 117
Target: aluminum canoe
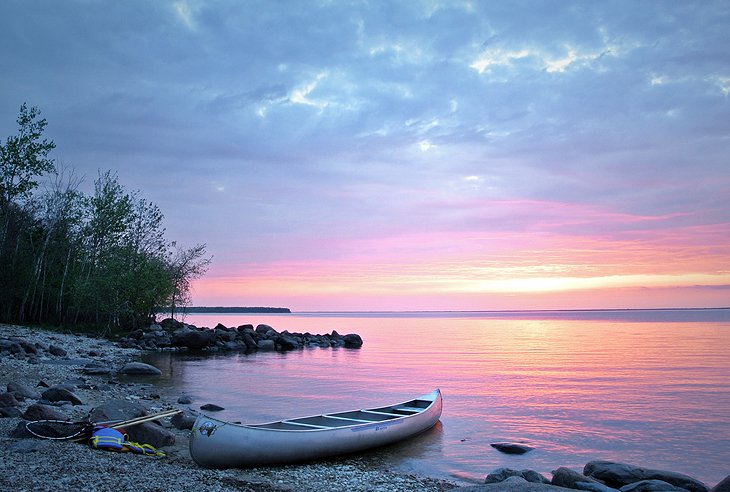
216, 443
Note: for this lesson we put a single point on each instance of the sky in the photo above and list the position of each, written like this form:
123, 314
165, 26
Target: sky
402, 155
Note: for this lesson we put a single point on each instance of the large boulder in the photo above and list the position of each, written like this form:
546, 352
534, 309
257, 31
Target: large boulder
266, 345
263, 329
226, 334
502, 474
150, 433
60, 393
197, 338
620, 474
723, 486
287, 342
248, 341
353, 340
38, 411
594, 487
565, 477
170, 324
117, 410
651, 486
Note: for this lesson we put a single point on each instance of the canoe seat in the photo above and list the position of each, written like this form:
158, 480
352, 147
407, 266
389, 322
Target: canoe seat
348, 419
377, 412
408, 409
311, 426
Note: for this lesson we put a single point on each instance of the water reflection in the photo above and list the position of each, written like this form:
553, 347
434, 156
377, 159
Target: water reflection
576, 389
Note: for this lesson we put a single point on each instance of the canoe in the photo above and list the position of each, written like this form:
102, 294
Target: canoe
216, 443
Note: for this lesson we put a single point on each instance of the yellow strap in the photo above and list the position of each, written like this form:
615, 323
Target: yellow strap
147, 449
106, 440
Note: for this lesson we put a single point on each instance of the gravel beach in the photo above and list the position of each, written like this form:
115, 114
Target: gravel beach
36, 464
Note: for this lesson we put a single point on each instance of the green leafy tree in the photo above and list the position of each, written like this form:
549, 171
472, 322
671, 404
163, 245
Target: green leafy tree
185, 266
23, 158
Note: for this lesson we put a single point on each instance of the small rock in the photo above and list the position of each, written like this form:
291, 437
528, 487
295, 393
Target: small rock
9, 412
96, 369
139, 369
57, 351
184, 399
183, 420
28, 446
8, 400
21, 431
511, 447
211, 407
23, 390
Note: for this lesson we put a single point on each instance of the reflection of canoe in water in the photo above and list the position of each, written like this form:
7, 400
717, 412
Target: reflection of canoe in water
218, 444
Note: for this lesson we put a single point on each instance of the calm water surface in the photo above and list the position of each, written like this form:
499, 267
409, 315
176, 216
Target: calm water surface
650, 388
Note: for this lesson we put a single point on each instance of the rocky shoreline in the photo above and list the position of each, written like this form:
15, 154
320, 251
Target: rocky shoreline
171, 334
76, 377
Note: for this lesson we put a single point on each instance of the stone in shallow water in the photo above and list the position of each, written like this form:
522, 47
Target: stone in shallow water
620, 474
651, 486
511, 447
501, 474
139, 369
211, 407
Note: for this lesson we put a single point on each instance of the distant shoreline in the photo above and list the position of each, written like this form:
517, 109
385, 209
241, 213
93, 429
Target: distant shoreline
230, 309
280, 310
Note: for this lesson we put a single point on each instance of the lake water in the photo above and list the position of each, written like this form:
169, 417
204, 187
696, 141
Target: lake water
651, 388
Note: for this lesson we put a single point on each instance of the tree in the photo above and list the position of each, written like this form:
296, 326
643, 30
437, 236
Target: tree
186, 266
23, 158
65, 257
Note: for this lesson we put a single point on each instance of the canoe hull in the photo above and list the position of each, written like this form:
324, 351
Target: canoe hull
215, 443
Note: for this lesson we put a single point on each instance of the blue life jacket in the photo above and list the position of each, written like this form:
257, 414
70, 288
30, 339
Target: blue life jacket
107, 438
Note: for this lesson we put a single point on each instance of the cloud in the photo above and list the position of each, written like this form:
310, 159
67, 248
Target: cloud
326, 128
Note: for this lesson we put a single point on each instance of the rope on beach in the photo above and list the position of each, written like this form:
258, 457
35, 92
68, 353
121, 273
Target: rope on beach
79, 431
59, 429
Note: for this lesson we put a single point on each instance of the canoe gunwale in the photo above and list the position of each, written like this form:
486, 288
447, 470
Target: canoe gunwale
357, 422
